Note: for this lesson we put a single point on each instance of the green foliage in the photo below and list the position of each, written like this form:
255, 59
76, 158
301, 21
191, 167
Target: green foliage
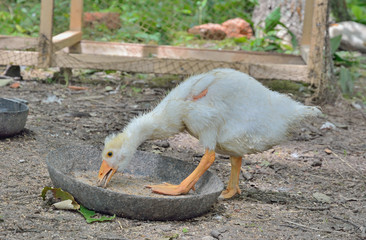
346, 80
62, 195
270, 41
58, 193
335, 42
89, 215
153, 22
272, 20
357, 10
348, 67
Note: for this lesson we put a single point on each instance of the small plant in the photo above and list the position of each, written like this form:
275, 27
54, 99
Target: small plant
270, 41
347, 66
136, 90
357, 10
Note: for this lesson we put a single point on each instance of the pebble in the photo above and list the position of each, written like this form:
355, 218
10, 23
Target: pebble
317, 163
321, 197
208, 238
166, 227
216, 234
327, 126
21, 161
217, 217
247, 175
163, 144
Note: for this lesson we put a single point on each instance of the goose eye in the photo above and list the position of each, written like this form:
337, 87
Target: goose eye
110, 154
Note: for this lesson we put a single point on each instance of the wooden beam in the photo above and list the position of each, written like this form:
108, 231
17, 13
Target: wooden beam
24, 58
76, 15
304, 52
45, 33
172, 52
298, 73
17, 43
317, 43
155, 65
66, 39
308, 22
179, 66
76, 22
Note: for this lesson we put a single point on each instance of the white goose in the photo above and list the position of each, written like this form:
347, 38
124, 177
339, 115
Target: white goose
228, 111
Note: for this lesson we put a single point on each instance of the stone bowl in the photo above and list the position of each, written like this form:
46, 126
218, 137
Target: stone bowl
13, 116
65, 162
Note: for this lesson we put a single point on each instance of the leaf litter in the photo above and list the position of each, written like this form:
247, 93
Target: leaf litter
67, 202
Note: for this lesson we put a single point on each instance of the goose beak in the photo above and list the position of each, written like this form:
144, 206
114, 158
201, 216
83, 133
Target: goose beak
105, 174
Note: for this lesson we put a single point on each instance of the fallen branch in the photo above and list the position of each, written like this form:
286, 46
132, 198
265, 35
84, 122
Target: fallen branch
304, 227
362, 229
349, 165
314, 208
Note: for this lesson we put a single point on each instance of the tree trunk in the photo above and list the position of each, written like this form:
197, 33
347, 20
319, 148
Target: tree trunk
292, 15
339, 10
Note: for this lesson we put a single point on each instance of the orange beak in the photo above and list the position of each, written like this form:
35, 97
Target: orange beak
105, 174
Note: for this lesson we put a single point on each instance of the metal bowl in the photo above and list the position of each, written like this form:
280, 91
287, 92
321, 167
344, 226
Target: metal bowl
66, 161
13, 116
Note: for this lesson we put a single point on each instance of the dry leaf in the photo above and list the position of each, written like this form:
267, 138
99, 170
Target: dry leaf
328, 151
15, 85
65, 205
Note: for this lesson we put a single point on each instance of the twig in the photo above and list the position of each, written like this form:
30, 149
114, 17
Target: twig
311, 228
120, 225
353, 199
349, 165
361, 228
314, 208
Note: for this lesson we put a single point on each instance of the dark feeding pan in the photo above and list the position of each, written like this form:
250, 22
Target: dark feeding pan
13, 116
67, 163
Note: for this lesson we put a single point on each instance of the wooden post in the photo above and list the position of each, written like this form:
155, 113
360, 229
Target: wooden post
76, 21
317, 43
308, 22
319, 55
307, 30
76, 24
45, 34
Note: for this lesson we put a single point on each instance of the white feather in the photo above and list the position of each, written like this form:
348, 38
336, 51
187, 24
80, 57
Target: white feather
237, 116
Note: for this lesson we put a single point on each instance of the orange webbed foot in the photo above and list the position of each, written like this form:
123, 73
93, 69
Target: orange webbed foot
230, 192
169, 189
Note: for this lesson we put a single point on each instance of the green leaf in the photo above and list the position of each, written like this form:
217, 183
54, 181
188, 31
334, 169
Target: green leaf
357, 12
334, 43
59, 194
346, 80
341, 60
293, 37
89, 214
272, 20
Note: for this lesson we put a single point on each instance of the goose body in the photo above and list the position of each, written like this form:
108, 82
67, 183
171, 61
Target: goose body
228, 111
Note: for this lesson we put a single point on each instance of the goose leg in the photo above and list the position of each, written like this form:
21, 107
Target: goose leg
233, 185
188, 183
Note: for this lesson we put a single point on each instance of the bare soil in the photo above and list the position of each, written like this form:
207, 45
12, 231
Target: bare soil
282, 189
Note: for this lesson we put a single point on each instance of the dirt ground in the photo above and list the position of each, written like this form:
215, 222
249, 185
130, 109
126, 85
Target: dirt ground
282, 189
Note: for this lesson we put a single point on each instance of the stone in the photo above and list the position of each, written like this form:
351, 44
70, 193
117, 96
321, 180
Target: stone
210, 31
353, 35
237, 28
321, 197
208, 238
110, 19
